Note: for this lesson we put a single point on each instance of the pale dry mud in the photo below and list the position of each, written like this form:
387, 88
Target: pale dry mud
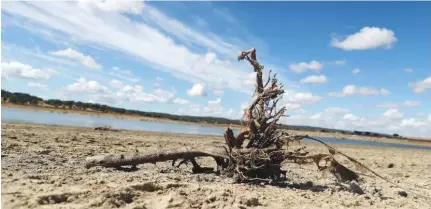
43, 167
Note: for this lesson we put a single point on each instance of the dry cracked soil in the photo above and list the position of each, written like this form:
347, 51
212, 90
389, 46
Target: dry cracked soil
43, 167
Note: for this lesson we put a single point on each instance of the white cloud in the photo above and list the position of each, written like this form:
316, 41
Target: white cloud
123, 6
339, 62
107, 99
335, 111
303, 98
292, 106
356, 71
37, 85
368, 91
213, 109
316, 116
210, 57
191, 109
303, 66
366, 38
146, 42
218, 92
83, 85
159, 78
181, 101
197, 90
387, 105
13, 51
249, 80
350, 90
78, 56
421, 114
408, 70
316, 79
429, 117
393, 114
420, 86
385, 92
136, 94
124, 74
351, 117
410, 103
389, 124
324, 118
214, 103
163, 95
19, 70
407, 103
412, 122
187, 34
117, 84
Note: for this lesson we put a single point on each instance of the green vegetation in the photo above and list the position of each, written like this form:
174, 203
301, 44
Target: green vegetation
20, 98
27, 99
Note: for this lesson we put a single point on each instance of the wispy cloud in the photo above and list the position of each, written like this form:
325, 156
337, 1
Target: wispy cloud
356, 71
123, 74
302, 98
407, 103
38, 85
421, 86
304, 66
78, 56
408, 70
140, 40
339, 62
124, 6
350, 90
315, 79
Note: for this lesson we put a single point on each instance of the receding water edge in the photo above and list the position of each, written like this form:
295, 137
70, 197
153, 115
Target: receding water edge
55, 118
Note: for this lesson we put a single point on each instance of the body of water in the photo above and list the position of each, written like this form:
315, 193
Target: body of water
56, 118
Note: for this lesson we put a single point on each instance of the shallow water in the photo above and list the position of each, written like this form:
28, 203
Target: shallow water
56, 118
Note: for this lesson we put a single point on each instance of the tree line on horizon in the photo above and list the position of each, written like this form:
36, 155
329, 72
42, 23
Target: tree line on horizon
27, 99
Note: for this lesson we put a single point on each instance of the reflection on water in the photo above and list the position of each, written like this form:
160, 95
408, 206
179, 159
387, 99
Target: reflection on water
56, 118
53, 118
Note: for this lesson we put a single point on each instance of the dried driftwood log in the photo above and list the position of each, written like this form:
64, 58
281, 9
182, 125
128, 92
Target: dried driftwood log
260, 148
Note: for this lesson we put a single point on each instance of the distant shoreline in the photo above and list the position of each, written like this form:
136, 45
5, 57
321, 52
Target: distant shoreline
426, 142
111, 115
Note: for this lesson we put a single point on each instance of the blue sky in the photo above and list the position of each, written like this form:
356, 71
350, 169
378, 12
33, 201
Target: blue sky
349, 65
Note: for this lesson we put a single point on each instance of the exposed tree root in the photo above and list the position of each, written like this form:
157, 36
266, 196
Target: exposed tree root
134, 159
259, 150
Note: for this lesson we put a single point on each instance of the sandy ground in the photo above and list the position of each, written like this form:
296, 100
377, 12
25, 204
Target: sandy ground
43, 167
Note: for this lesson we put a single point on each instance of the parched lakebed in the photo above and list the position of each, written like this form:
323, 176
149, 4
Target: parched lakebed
43, 167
